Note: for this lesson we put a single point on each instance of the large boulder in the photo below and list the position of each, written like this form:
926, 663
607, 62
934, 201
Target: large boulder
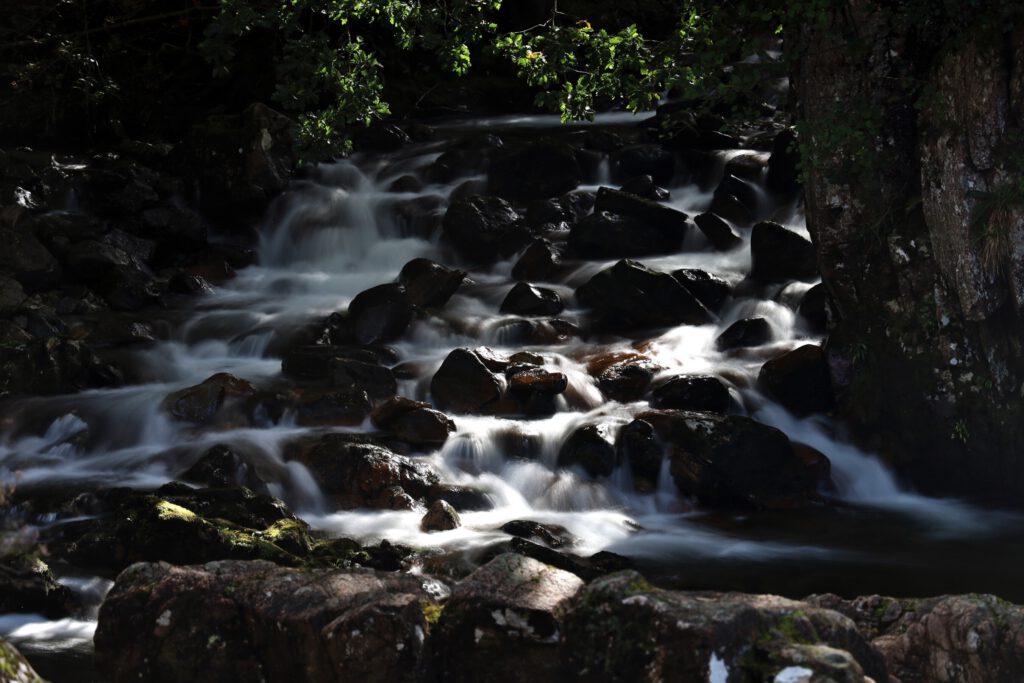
623, 376
26, 260
52, 365
353, 375
743, 333
330, 407
644, 159
200, 403
702, 393
356, 473
14, 667
631, 296
962, 638
799, 380
413, 422
608, 235
465, 384
241, 162
719, 233
710, 290
539, 261
623, 629
637, 443
485, 228
590, 447
503, 623
28, 586
256, 621
380, 314
429, 284
778, 254
542, 169
734, 461
526, 299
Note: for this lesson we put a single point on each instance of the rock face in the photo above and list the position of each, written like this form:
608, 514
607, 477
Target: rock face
926, 314
630, 296
256, 621
622, 629
962, 638
504, 623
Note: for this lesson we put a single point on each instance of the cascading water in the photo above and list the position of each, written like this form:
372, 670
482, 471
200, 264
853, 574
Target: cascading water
337, 233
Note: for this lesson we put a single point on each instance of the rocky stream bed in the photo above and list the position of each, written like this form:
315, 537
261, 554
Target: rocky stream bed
493, 399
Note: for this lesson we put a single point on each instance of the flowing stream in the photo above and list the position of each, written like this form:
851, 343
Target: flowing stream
336, 233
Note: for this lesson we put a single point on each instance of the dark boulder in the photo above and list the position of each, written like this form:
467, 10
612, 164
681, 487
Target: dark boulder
607, 235
353, 375
719, 233
734, 461
485, 228
743, 333
25, 259
542, 169
702, 393
464, 384
645, 210
327, 407
503, 623
413, 422
12, 295
54, 365
799, 380
539, 262
638, 444
240, 162
380, 314
429, 284
256, 621
28, 586
589, 447
356, 473
639, 160
710, 290
623, 378
784, 166
440, 516
630, 296
732, 208
644, 186
812, 309
314, 361
200, 403
552, 535
533, 379
621, 629
778, 254
525, 299
222, 467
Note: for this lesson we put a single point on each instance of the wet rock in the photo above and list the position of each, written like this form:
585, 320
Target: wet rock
429, 284
15, 667
640, 160
127, 288
406, 183
638, 444
12, 295
968, 638
414, 422
380, 314
630, 296
623, 629
530, 378
174, 227
485, 228
532, 332
812, 309
222, 467
746, 166
608, 235
464, 384
90, 260
241, 162
731, 208
28, 587
357, 474
328, 407
183, 525
352, 375
525, 299
644, 210
784, 166
719, 233
779, 254
623, 380
702, 393
546, 168
462, 498
644, 186
733, 461
503, 623
54, 365
590, 448
743, 333
552, 535
255, 621
313, 362
799, 380
189, 284
26, 260
440, 517
200, 403
540, 260
710, 290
